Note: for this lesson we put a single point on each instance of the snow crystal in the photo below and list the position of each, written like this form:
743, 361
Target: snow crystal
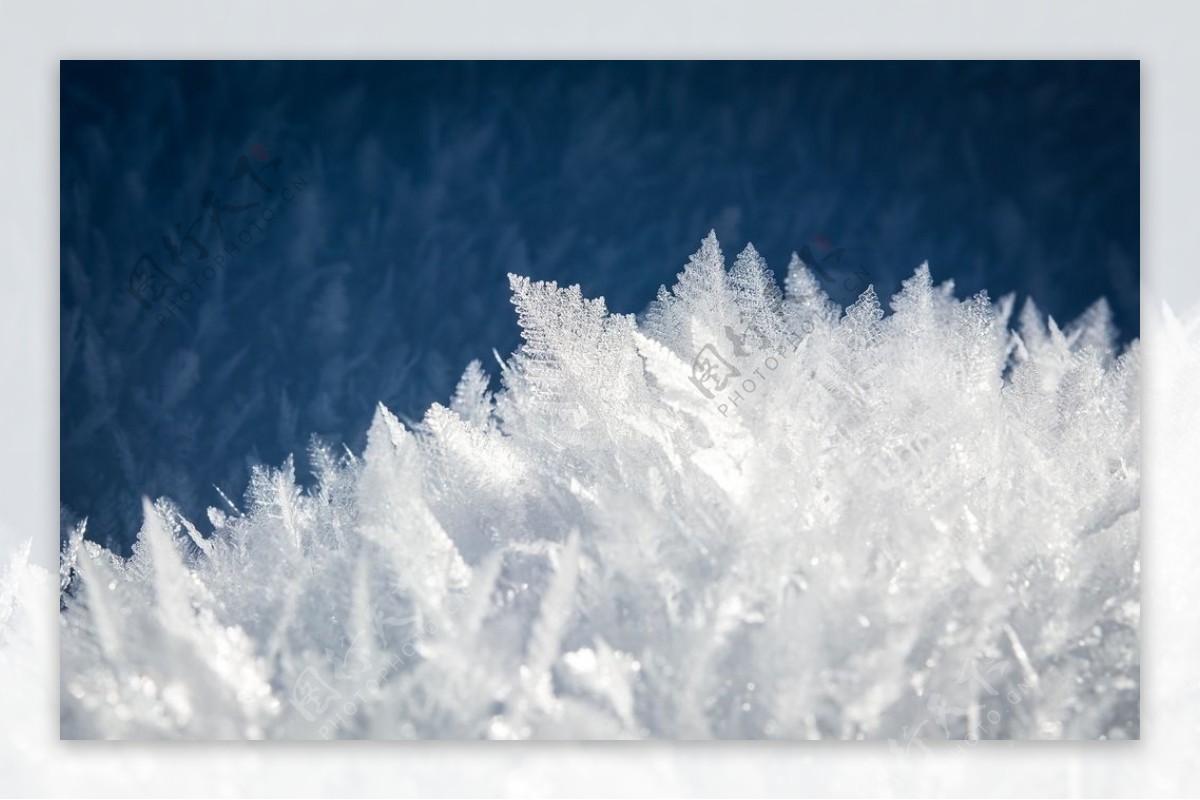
749, 514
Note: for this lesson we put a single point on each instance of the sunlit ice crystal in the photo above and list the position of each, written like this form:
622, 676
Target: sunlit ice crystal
748, 513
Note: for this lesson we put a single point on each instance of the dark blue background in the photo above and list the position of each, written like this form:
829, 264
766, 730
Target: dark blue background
427, 182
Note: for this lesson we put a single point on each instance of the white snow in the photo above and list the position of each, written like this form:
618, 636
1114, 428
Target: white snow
750, 514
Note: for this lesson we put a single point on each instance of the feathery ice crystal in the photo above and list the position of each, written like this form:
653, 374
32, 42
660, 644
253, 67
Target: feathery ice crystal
748, 515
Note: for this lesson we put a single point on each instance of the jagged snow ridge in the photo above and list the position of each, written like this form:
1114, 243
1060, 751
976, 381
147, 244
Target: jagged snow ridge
919, 524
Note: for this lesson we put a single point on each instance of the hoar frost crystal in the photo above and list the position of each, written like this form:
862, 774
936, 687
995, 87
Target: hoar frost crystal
750, 514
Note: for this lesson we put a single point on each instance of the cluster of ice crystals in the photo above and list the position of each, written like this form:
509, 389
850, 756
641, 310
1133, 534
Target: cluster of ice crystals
749, 515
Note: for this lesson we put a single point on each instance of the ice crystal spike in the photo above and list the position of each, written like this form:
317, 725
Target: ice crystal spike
749, 515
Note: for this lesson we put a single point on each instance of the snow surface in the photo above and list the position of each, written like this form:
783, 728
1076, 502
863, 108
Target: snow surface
747, 514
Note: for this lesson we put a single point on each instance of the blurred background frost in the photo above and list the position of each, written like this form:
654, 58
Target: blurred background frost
424, 183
